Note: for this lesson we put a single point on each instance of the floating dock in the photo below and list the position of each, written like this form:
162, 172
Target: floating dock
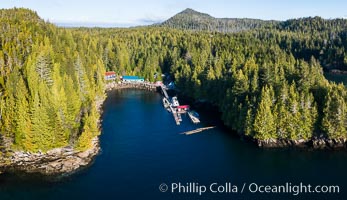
178, 122
198, 130
173, 106
166, 104
163, 89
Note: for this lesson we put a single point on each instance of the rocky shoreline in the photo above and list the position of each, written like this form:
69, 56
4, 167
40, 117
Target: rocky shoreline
337, 71
315, 143
55, 162
58, 161
67, 160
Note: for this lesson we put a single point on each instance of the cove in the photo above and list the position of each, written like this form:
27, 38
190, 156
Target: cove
142, 148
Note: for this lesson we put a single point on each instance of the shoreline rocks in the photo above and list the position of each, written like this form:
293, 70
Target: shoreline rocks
58, 161
337, 71
315, 143
53, 163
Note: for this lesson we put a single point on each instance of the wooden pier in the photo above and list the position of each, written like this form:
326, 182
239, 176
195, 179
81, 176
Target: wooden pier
143, 86
177, 119
150, 87
176, 114
175, 108
163, 90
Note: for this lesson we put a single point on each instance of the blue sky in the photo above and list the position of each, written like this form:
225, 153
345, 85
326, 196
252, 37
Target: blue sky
137, 12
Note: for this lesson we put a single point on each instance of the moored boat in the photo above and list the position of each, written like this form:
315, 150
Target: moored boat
166, 104
194, 116
175, 102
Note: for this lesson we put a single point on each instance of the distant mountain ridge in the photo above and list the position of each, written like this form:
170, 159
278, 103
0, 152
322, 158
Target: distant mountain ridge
194, 20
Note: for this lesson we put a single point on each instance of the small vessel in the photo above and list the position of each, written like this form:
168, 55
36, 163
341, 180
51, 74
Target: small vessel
166, 104
194, 116
175, 102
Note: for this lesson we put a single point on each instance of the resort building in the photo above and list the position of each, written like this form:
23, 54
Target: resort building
110, 76
132, 79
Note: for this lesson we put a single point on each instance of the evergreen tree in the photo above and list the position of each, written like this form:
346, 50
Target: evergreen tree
334, 120
22, 117
264, 123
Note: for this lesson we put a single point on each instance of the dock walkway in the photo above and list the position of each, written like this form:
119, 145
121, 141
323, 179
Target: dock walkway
163, 89
143, 85
175, 113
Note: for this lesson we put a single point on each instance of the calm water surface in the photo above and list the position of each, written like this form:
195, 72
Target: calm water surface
338, 78
142, 148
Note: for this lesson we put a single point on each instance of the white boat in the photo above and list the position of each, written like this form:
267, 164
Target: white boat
166, 104
175, 102
194, 116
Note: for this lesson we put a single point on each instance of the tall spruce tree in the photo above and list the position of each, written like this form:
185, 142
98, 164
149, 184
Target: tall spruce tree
264, 123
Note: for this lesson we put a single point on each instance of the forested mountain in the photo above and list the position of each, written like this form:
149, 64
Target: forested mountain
192, 20
267, 82
305, 37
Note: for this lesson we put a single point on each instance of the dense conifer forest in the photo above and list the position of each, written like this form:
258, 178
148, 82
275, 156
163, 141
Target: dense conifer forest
50, 79
267, 80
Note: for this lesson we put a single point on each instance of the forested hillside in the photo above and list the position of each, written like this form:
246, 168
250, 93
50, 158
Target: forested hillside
263, 90
321, 38
49, 81
306, 37
267, 82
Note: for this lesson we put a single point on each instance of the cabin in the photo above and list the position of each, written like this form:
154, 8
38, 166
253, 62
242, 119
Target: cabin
110, 76
182, 108
132, 79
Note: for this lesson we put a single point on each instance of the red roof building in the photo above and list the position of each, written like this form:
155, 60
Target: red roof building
110, 75
182, 108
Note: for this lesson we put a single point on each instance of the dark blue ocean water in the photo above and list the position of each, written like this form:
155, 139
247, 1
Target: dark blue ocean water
338, 78
142, 148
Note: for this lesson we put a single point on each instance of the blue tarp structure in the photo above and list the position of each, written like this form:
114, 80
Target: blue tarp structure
132, 78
